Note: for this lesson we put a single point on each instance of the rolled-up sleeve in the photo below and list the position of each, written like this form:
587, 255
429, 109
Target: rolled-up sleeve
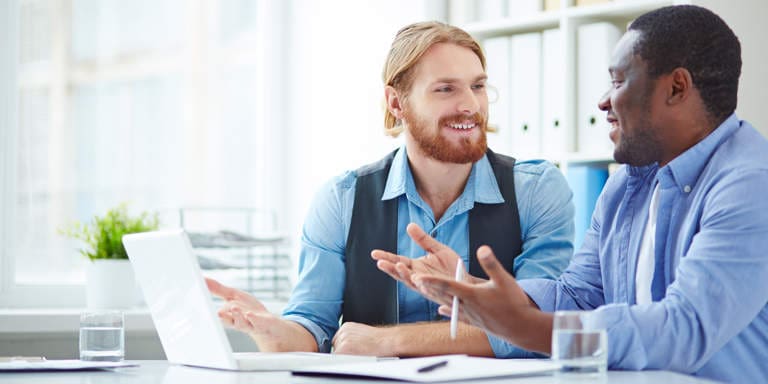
317, 297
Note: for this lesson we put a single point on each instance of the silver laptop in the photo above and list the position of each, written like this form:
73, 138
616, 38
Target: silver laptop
185, 315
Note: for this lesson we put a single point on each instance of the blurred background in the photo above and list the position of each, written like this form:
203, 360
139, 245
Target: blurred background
226, 116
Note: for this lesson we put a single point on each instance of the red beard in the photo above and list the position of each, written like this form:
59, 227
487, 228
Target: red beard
439, 147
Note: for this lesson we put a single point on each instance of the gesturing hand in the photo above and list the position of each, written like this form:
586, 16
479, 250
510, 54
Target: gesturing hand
238, 306
271, 333
498, 305
440, 260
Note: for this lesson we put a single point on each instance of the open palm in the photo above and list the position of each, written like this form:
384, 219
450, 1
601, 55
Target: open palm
440, 260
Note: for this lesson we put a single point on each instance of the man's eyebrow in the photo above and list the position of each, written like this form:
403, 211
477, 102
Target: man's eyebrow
450, 80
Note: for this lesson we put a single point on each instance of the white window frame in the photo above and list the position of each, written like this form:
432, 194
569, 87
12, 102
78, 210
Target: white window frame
8, 123
287, 171
11, 293
14, 295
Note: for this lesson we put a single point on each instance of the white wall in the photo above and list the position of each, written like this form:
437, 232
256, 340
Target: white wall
334, 111
748, 19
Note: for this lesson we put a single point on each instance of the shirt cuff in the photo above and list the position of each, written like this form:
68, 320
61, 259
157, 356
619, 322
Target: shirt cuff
506, 350
541, 291
322, 339
625, 346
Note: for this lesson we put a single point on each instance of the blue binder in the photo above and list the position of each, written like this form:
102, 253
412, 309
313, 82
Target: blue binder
586, 182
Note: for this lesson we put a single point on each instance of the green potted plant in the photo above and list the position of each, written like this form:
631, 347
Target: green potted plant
109, 276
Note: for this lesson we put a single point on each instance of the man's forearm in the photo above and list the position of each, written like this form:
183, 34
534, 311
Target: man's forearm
285, 336
532, 331
433, 338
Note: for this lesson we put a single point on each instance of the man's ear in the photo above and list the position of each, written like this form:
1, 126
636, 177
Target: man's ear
680, 86
394, 101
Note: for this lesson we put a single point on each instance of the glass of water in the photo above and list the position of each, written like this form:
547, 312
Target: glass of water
102, 336
580, 350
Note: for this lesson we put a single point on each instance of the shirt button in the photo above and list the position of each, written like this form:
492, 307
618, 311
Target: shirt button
687, 189
433, 233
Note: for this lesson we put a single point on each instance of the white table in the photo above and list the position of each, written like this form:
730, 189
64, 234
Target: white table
158, 371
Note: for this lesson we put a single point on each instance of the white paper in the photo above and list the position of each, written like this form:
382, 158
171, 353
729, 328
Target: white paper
61, 365
459, 367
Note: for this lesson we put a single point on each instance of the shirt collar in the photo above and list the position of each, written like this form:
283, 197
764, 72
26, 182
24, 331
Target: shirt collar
481, 186
486, 187
399, 172
686, 168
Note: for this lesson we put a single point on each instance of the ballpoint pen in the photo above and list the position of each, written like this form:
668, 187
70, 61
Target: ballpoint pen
432, 367
455, 304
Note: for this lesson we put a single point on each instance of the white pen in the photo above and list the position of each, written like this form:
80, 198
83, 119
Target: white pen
455, 304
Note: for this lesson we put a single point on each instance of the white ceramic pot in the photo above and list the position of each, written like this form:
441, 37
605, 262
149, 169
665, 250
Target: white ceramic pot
110, 284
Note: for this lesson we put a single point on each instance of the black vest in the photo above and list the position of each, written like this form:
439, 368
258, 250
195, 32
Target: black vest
370, 295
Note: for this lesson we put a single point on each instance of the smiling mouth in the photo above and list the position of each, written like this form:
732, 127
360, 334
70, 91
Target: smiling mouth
462, 126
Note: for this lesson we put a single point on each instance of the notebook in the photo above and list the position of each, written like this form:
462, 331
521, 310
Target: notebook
185, 315
436, 369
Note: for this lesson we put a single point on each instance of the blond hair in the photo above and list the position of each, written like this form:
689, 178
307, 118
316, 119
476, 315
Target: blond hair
409, 46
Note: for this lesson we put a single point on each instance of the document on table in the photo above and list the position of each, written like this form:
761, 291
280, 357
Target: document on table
61, 365
436, 368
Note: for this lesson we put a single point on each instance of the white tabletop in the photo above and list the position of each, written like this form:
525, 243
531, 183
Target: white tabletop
156, 371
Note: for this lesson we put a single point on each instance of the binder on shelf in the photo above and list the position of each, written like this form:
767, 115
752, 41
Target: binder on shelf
526, 95
554, 138
551, 5
517, 9
595, 43
490, 9
586, 182
579, 3
497, 57
461, 12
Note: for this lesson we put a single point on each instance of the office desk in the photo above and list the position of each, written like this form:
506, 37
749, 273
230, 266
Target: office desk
157, 371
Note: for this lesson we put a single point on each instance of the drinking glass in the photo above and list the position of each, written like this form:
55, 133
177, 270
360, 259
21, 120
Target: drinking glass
102, 336
580, 350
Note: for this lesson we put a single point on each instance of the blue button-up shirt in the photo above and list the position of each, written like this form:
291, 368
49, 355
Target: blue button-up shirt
545, 207
713, 319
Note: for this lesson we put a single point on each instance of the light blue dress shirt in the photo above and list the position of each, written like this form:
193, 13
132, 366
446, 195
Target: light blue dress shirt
545, 207
713, 319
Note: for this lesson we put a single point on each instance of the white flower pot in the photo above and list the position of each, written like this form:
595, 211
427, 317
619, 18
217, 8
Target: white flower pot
110, 284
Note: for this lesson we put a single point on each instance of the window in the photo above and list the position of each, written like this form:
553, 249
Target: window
176, 103
156, 102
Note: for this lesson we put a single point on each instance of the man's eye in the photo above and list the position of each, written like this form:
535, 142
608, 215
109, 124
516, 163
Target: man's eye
616, 83
444, 89
478, 87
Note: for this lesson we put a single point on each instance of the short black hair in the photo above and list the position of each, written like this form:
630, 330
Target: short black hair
694, 38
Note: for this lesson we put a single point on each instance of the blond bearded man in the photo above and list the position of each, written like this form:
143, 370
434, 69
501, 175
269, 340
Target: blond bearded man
445, 179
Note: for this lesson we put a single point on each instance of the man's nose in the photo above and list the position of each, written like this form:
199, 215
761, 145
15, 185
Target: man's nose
469, 103
605, 101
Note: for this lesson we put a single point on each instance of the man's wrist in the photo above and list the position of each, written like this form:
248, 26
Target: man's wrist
538, 334
393, 340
